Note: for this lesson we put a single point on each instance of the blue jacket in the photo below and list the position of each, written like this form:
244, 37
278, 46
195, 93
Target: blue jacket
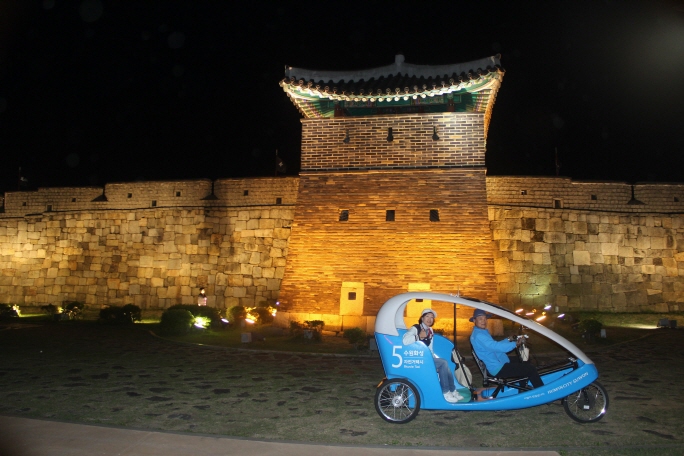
491, 352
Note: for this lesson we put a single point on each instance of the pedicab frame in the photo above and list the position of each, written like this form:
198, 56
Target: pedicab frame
411, 380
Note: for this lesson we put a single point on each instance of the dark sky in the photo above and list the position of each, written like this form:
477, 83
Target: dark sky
98, 91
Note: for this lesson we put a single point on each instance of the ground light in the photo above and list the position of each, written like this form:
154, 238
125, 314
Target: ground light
202, 322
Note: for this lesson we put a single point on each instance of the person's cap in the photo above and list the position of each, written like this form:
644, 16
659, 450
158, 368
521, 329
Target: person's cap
477, 313
428, 311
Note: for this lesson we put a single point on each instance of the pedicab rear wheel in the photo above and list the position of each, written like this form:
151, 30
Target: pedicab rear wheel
587, 405
397, 401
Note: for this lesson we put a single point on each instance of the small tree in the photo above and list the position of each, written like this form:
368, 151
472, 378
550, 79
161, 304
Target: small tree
211, 313
176, 322
129, 313
590, 328
356, 337
238, 313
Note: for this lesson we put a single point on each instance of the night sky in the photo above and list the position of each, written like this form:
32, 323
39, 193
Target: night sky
98, 91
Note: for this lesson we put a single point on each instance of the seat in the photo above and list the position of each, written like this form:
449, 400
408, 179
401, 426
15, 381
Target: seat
519, 383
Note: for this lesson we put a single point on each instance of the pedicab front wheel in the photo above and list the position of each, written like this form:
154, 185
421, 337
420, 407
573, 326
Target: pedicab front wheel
587, 405
397, 401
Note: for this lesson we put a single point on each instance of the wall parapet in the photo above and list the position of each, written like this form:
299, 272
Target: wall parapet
140, 195
565, 193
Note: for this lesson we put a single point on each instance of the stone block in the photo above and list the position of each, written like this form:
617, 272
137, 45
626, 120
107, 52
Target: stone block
581, 257
353, 321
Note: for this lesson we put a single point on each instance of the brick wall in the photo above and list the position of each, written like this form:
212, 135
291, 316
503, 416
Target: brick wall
450, 255
461, 142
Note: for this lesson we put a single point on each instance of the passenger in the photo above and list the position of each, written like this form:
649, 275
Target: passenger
493, 353
423, 332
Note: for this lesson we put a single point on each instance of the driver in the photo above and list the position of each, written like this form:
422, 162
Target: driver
493, 353
423, 332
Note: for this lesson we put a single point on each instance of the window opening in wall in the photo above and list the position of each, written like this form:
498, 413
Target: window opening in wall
154, 203
557, 204
178, 194
279, 201
676, 200
245, 192
594, 197
523, 192
73, 200
389, 215
24, 203
130, 195
344, 215
49, 208
434, 215
351, 296
419, 299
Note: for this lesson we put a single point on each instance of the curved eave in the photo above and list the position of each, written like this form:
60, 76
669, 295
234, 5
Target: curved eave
391, 317
310, 91
303, 93
399, 66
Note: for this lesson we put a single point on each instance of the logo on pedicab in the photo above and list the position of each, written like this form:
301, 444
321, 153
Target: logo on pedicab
408, 359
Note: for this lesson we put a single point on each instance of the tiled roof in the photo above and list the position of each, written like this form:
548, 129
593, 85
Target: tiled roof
401, 78
400, 81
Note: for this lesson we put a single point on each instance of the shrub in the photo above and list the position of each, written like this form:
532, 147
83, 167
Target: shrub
238, 313
49, 309
176, 322
72, 305
316, 325
9, 310
119, 315
355, 336
262, 314
211, 313
296, 329
306, 331
73, 309
590, 327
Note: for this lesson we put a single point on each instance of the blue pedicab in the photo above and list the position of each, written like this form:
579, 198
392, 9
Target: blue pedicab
411, 380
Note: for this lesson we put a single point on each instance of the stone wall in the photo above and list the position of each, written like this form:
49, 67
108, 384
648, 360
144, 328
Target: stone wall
586, 260
592, 253
234, 244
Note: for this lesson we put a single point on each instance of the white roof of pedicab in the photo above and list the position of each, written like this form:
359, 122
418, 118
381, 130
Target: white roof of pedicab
390, 318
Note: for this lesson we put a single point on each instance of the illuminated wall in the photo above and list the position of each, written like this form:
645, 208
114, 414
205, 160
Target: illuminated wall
589, 260
261, 239
375, 217
117, 252
451, 252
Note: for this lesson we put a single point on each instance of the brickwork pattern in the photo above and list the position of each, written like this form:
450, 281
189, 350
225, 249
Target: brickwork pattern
589, 260
527, 191
451, 254
461, 142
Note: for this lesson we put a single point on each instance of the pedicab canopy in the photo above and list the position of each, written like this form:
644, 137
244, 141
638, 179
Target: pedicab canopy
390, 318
